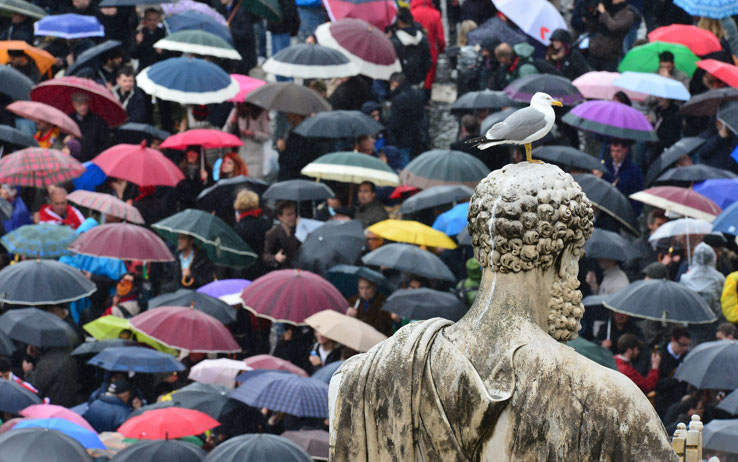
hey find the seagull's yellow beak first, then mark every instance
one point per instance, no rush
(556, 103)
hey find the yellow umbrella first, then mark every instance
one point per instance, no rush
(412, 232)
(110, 327)
(345, 330)
(43, 59)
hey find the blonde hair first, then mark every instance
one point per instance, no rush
(246, 200)
(713, 25)
(466, 27)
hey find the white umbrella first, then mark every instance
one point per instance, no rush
(221, 371)
(537, 18)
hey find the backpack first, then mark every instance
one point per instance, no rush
(415, 59)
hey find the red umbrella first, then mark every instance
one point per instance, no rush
(699, 41)
(107, 204)
(123, 241)
(720, 70)
(58, 93)
(185, 329)
(139, 164)
(39, 167)
(170, 422)
(379, 13)
(41, 112)
(404, 191)
(291, 295)
(274, 364)
(207, 138)
(679, 200)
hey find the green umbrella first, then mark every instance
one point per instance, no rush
(591, 350)
(267, 9)
(645, 58)
(198, 42)
(23, 7)
(45, 240)
(351, 167)
(222, 244)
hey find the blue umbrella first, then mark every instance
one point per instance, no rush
(346, 279)
(69, 26)
(652, 84)
(187, 81)
(716, 9)
(283, 392)
(723, 191)
(44, 240)
(136, 359)
(194, 20)
(325, 373)
(452, 221)
(727, 222)
(92, 177)
(85, 437)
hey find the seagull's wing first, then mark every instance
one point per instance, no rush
(518, 126)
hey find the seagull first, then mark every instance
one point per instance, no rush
(523, 126)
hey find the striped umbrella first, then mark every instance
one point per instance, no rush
(107, 204)
(283, 392)
(39, 167)
(351, 167)
(44, 240)
(198, 42)
(308, 61)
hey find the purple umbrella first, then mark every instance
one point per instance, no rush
(181, 6)
(223, 287)
(613, 119)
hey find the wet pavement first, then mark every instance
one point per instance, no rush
(443, 126)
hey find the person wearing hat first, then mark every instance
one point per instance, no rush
(629, 347)
(567, 59)
(109, 411)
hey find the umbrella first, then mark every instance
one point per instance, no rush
(645, 58)
(205, 303)
(258, 447)
(679, 200)
(198, 42)
(91, 55)
(111, 327)
(608, 199)
(220, 241)
(288, 97)
(54, 283)
(441, 167)
(334, 243)
(325, 373)
(717, 9)
(87, 438)
(123, 241)
(496, 28)
(485, 99)
(222, 371)
(346, 277)
(681, 227)
(39, 445)
(139, 132)
(291, 295)
(106, 204)
(136, 359)
(611, 118)
(723, 192)
(727, 221)
(69, 26)
(591, 350)
(610, 246)
(694, 173)
(568, 157)
(183, 6)
(661, 300)
(728, 115)
(37, 327)
(730, 403)
(197, 21)
(17, 85)
(720, 70)
(699, 41)
(379, 13)
(268, 362)
(172, 422)
(161, 451)
(283, 392)
(206, 137)
(652, 84)
(39, 167)
(536, 18)
(707, 103)
(435, 196)
(599, 85)
(42, 58)
(185, 329)
(412, 232)
(206, 398)
(306, 61)
(49, 411)
(339, 124)
(411, 259)
(711, 365)
(351, 167)
(670, 156)
(44, 240)
(22, 7)
(345, 330)
(298, 190)
(187, 80)
(314, 442)
(721, 435)
(58, 93)
(7, 348)
(40, 112)
(423, 303)
(91, 178)
(225, 288)
(14, 397)
(219, 198)
(364, 44)
(139, 164)
(95, 347)
(560, 88)
(13, 136)
(452, 221)
(246, 85)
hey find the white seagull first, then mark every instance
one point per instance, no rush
(523, 126)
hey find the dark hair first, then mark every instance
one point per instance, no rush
(470, 123)
(678, 332)
(5, 364)
(666, 57)
(728, 329)
(397, 77)
(282, 205)
(654, 214)
(152, 10)
(405, 16)
(622, 97)
(125, 70)
(371, 185)
(627, 341)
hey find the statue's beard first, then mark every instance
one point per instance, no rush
(565, 309)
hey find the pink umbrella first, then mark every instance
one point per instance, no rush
(58, 93)
(222, 371)
(273, 363)
(139, 164)
(247, 85)
(599, 85)
(124, 241)
(107, 204)
(50, 411)
(41, 112)
(205, 137)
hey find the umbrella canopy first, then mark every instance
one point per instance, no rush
(679, 200)
(95, 347)
(14, 137)
(681, 227)
(723, 192)
(123, 241)
(423, 303)
(161, 451)
(222, 371)
(106, 204)
(720, 70)
(610, 246)
(41, 445)
(567, 157)
(258, 447)
(717, 9)
(727, 222)
(485, 99)
(345, 330)
(39, 167)
(670, 156)
(37, 327)
(693, 173)
(721, 435)
(652, 84)
(560, 88)
(599, 85)
(198, 42)
(611, 118)
(209, 399)
(283, 392)
(136, 359)
(91, 55)
(58, 93)
(208, 138)
(54, 283)
(7, 347)
(379, 13)
(310, 61)
(246, 85)
(728, 115)
(496, 28)
(730, 403)
(346, 278)
(441, 167)
(87, 438)
(49, 411)
(536, 18)
(172, 422)
(268, 362)
(314, 442)
(436, 196)
(298, 190)
(711, 365)
(21, 7)
(591, 350)
(41, 112)
(645, 58)
(288, 97)
(44, 240)
(220, 241)
(351, 167)
(699, 41)
(707, 103)
(14, 397)
(452, 221)
(205, 303)
(18, 86)
(135, 133)
(224, 192)
(140, 165)
(609, 200)
(339, 124)
(364, 44)
(69, 26)
(197, 21)
(225, 288)
(184, 6)
(325, 373)
(187, 80)
(411, 259)
(42, 58)
(185, 329)
(661, 300)
(334, 243)
(412, 232)
(111, 327)
(291, 295)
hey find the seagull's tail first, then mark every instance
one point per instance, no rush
(482, 142)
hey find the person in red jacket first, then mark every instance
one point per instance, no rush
(58, 211)
(429, 17)
(629, 347)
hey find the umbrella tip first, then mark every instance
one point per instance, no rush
(143, 144)
(192, 305)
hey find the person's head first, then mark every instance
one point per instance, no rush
(619, 150)
(466, 27)
(365, 144)
(469, 124)
(81, 104)
(373, 241)
(396, 79)
(404, 17)
(192, 155)
(5, 368)
(606, 263)
(8, 192)
(713, 25)
(655, 219)
(373, 109)
(726, 331)
(367, 192)
(488, 45)
(80, 4)
(17, 58)
(185, 243)
(232, 166)
(151, 19)
(295, 119)
(246, 200)
(691, 405)
(16, 18)
(367, 289)
(622, 97)
(655, 270)
(58, 201)
(287, 213)
(417, 282)
(629, 346)
(712, 82)
(120, 388)
(666, 62)
(113, 58)
(505, 54)
(534, 218)
(323, 341)
(679, 342)
(125, 78)
(126, 285)
(200, 112)
(620, 319)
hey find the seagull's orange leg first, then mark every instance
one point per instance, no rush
(528, 156)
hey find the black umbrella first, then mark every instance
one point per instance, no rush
(298, 190)
(219, 197)
(485, 99)
(730, 403)
(494, 118)
(91, 54)
(258, 447)
(435, 196)
(216, 308)
(160, 451)
(681, 148)
(498, 29)
(288, 97)
(213, 400)
(706, 104)
(418, 304)
(346, 279)
(310, 61)
(339, 124)
(54, 283)
(721, 435)
(16, 85)
(134, 133)
(22, 7)
(6, 345)
(14, 137)
(409, 258)
(41, 445)
(711, 365)
(609, 245)
(609, 200)
(693, 174)
(334, 243)
(93, 348)
(37, 327)
(568, 157)
(14, 397)
(661, 300)
(560, 88)
(114, 3)
(728, 114)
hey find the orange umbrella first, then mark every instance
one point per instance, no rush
(43, 59)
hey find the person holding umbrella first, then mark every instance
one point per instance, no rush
(95, 132)
(252, 226)
(193, 267)
(366, 306)
(369, 209)
(109, 411)
(622, 172)
(251, 124)
(280, 243)
(324, 351)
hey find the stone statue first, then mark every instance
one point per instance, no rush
(500, 384)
